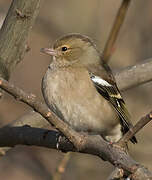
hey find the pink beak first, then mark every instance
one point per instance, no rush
(49, 51)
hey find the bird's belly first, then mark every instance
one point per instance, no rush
(79, 106)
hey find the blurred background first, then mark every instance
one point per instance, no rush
(95, 19)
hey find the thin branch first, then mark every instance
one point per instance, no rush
(62, 166)
(115, 30)
(139, 125)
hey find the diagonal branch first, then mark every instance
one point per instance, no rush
(140, 124)
(58, 174)
(115, 30)
(31, 100)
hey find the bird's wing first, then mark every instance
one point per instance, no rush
(112, 94)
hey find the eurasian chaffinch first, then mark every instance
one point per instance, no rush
(80, 88)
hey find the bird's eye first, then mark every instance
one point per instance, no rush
(64, 48)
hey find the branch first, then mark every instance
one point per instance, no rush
(139, 125)
(61, 167)
(14, 33)
(136, 75)
(95, 145)
(115, 30)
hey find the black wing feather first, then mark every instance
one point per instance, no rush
(112, 94)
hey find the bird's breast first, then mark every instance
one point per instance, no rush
(71, 94)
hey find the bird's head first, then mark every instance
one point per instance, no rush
(73, 48)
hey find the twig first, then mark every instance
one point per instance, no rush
(140, 124)
(115, 30)
(62, 166)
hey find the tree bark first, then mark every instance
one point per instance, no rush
(14, 33)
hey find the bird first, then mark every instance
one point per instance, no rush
(79, 87)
